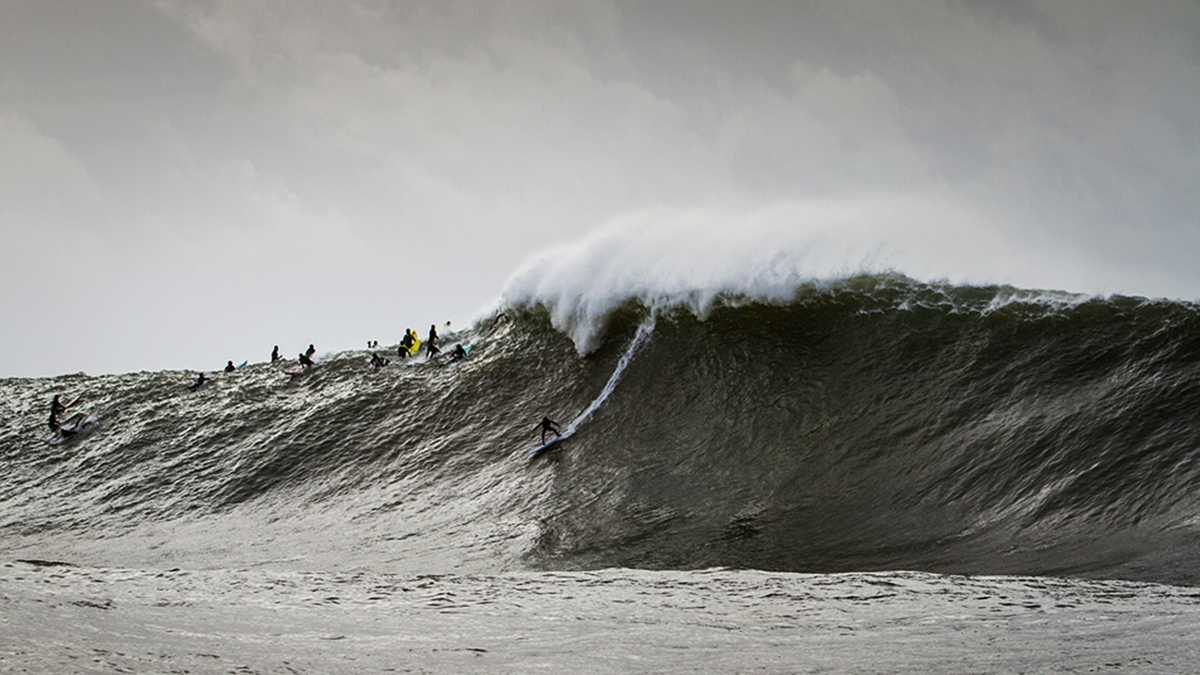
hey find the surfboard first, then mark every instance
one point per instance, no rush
(243, 364)
(549, 445)
(79, 425)
(416, 347)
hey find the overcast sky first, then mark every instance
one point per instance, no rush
(183, 183)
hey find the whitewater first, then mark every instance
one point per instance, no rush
(769, 466)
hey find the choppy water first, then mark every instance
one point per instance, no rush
(62, 619)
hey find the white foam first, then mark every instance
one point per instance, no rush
(690, 258)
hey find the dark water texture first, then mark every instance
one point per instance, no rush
(877, 424)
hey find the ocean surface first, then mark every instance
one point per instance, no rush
(876, 474)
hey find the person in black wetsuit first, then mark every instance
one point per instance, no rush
(458, 354)
(275, 354)
(310, 351)
(431, 343)
(56, 409)
(377, 361)
(200, 382)
(305, 361)
(229, 367)
(406, 343)
(550, 425)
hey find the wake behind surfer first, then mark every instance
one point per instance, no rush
(550, 425)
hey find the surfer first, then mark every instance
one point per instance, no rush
(305, 361)
(275, 354)
(56, 409)
(72, 425)
(229, 367)
(458, 354)
(550, 425)
(200, 382)
(406, 343)
(377, 361)
(310, 351)
(431, 342)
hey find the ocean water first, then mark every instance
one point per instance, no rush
(872, 474)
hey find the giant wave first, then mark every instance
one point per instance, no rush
(871, 423)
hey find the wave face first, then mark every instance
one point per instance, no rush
(872, 424)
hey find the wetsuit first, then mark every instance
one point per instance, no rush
(459, 353)
(56, 409)
(275, 354)
(305, 361)
(200, 382)
(229, 367)
(310, 351)
(548, 425)
(431, 343)
(406, 344)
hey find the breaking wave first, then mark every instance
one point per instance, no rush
(868, 423)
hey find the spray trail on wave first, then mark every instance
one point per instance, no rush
(643, 334)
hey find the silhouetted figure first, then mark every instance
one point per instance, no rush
(275, 354)
(229, 367)
(305, 361)
(56, 409)
(459, 353)
(431, 342)
(310, 351)
(200, 382)
(406, 343)
(550, 425)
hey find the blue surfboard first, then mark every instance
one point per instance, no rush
(550, 445)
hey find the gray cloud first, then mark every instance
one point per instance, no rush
(186, 182)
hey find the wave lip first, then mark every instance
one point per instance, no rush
(697, 258)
